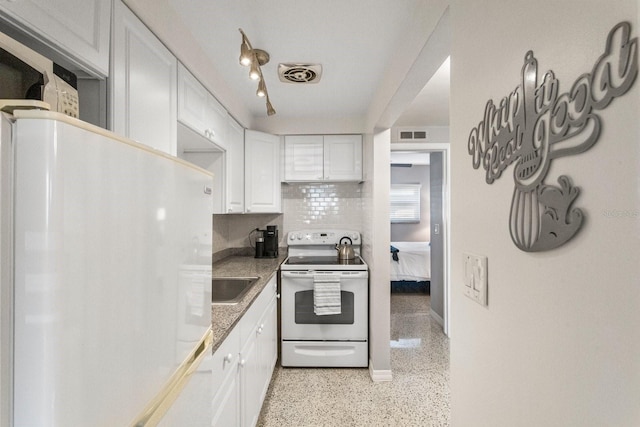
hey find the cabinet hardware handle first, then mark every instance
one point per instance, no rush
(228, 358)
(242, 362)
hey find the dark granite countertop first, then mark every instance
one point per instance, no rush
(225, 317)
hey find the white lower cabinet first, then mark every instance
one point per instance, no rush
(244, 363)
(268, 346)
(226, 400)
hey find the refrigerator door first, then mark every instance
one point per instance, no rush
(6, 269)
(186, 401)
(105, 229)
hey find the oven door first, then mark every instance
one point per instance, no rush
(299, 322)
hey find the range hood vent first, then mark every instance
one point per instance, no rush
(299, 73)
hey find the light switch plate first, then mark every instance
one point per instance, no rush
(475, 277)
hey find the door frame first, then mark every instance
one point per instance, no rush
(443, 148)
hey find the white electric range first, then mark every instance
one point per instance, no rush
(324, 340)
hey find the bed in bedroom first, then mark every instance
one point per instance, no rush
(410, 266)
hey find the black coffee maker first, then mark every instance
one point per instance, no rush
(267, 245)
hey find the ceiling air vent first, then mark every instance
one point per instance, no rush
(299, 73)
(406, 135)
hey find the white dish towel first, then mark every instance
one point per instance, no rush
(326, 294)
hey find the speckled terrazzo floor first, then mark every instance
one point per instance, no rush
(417, 396)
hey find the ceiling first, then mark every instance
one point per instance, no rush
(431, 106)
(366, 49)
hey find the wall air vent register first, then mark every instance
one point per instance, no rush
(411, 134)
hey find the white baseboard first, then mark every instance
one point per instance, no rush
(437, 318)
(379, 375)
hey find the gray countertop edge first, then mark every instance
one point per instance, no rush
(225, 317)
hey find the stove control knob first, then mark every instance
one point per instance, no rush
(292, 236)
(299, 236)
(355, 236)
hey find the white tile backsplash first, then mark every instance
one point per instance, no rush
(322, 205)
(304, 205)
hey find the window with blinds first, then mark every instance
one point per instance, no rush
(405, 203)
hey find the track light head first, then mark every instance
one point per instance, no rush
(270, 110)
(254, 71)
(262, 89)
(245, 52)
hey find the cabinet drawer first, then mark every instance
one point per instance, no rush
(225, 359)
(250, 320)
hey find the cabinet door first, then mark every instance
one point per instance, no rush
(199, 110)
(303, 158)
(262, 172)
(192, 101)
(226, 382)
(235, 167)
(267, 346)
(226, 404)
(78, 29)
(143, 84)
(250, 389)
(216, 122)
(343, 157)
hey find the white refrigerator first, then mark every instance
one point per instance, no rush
(105, 303)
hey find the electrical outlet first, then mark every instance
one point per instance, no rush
(475, 277)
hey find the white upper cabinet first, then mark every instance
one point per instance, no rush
(143, 84)
(323, 158)
(235, 167)
(262, 173)
(192, 100)
(343, 157)
(199, 110)
(77, 29)
(303, 158)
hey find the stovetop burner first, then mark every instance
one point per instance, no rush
(322, 260)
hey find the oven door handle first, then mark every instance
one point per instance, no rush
(311, 273)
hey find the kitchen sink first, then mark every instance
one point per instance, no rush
(230, 290)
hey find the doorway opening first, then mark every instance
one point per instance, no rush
(420, 250)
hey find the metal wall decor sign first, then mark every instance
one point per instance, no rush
(536, 124)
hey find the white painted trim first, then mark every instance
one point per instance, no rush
(420, 146)
(445, 149)
(437, 318)
(380, 375)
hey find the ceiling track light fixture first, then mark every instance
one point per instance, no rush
(255, 58)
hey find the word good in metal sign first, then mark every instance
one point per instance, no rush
(536, 124)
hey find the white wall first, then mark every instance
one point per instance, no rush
(559, 343)
(375, 250)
